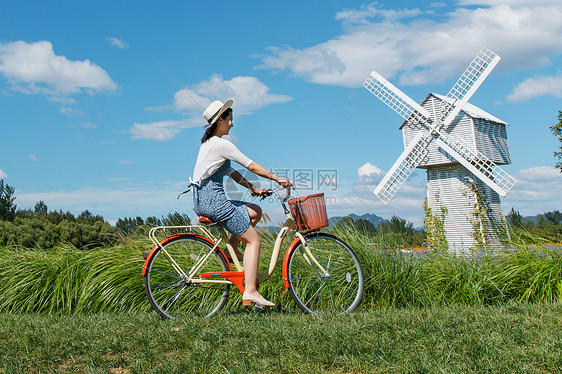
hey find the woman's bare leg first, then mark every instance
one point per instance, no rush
(251, 258)
(255, 213)
(251, 264)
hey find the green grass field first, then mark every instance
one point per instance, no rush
(515, 338)
(72, 311)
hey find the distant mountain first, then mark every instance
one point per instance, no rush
(373, 218)
(332, 221)
(533, 219)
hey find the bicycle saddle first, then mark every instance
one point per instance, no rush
(205, 220)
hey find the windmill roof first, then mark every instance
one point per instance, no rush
(473, 111)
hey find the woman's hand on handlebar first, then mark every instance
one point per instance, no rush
(256, 191)
(285, 182)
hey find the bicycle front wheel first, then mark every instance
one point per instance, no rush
(170, 293)
(326, 278)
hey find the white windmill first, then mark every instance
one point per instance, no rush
(459, 145)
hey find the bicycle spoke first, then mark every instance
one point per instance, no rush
(328, 265)
(304, 278)
(315, 294)
(172, 300)
(167, 274)
(316, 290)
(166, 286)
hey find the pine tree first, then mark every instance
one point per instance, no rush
(7, 198)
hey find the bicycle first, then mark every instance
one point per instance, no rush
(188, 273)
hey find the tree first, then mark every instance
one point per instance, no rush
(397, 225)
(7, 198)
(40, 208)
(557, 131)
(129, 225)
(345, 224)
(87, 217)
(554, 217)
(176, 219)
(152, 221)
(514, 219)
(365, 227)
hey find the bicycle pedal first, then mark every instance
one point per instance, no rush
(249, 303)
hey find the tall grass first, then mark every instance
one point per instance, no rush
(66, 280)
(396, 278)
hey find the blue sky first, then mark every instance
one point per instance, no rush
(93, 114)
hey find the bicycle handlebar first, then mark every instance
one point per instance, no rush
(283, 199)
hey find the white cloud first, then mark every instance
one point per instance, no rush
(118, 43)
(539, 174)
(34, 68)
(537, 191)
(360, 199)
(248, 93)
(161, 130)
(536, 86)
(431, 48)
(89, 125)
(360, 16)
(407, 204)
(2, 174)
(72, 112)
(114, 201)
(369, 174)
(62, 100)
(33, 158)
(511, 2)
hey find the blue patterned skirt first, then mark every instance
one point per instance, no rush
(209, 200)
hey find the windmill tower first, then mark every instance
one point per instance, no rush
(461, 146)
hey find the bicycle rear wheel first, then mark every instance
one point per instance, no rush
(335, 286)
(169, 292)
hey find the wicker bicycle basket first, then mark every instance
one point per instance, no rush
(309, 212)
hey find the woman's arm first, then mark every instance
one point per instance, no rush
(238, 178)
(263, 172)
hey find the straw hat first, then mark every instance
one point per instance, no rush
(215, 110)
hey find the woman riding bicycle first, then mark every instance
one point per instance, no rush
(209, 198)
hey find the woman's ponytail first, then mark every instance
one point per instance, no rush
(209, 132)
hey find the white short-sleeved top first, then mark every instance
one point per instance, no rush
(213, 154)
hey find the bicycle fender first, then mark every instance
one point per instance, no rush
(174, 237)
(290, 250)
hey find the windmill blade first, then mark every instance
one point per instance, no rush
(474, 75)
(410, 159)
(396, 99)
(478, 70)
(478, 164)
